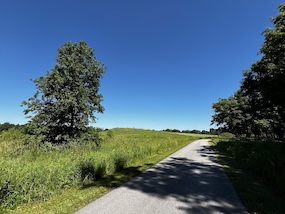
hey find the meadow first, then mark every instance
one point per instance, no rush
(52, 179)
(257, 171)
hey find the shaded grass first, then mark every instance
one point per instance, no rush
(59, 180)
(257, 172)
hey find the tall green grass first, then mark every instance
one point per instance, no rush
(257, 170)
(30, 172)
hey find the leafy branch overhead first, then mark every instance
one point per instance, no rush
(68, 96)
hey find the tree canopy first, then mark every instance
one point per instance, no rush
(258, 108)
(68, 96)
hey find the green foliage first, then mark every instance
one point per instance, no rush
(90, 137)
(110, 134)
(12, 142)
(257, 170)
(120, 161)
(171, 130)
(195, 131)
(68, 96)
(91, 170)
(258, 108)
(226, 136)
(100, 170)
(6, 126)
(215, 131)
(266, 160)
(264, 82)
(187, 131)
(232, 114)
(87, 171)
(39, 171)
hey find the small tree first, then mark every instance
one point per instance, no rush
(68, 96)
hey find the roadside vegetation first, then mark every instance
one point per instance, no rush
(57, 163)
(257, 109)
(256, 170)
(253, 147)
(47, 178)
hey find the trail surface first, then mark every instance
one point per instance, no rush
(189, 181)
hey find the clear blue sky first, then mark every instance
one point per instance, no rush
(167, 61)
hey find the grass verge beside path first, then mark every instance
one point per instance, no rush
(257, 172)
(69, 201)
(64, 181)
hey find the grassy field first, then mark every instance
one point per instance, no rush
(62, 180)
(257, 170)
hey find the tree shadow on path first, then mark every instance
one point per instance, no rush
(197, 187)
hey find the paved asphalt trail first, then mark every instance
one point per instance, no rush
(189, 181)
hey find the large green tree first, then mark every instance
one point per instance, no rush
(264, 82)
(68, 96)
(258, 108)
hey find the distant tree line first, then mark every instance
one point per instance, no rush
(6, 126)
(257, 109)
(194, 131)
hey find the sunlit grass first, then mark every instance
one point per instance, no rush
(34, 180)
